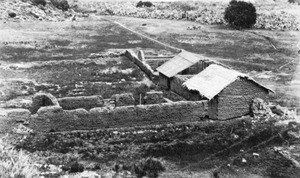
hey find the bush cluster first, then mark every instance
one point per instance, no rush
(61, 4)
(144, 4)
(271, 17)
(149, 167)
(240, 14)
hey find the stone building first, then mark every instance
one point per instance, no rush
(229, 92)
(185, 63)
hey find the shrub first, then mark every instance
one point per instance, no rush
(184, 6)
(61, 4)
(240, 14)
(149, 167)
(139, 93)
(144, 4)
(12, 14)
(39, 2)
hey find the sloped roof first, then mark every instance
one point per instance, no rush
(179, 63)
(213, 79)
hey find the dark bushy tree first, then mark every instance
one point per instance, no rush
(240, 14)
(144, 4)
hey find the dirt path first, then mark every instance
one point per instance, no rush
(173, 48)
(143, 36)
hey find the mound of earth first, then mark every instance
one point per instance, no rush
(26, 10)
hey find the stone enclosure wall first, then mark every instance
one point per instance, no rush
(47, 115)
(54, 118)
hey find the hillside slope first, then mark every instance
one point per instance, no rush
(25, 10)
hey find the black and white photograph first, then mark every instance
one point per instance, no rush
(149, 88)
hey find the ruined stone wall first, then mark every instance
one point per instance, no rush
(53, 118)
(141, 64)
(235, 100)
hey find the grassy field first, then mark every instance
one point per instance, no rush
(69, 58)
(43, 41)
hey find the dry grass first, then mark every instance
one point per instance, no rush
(15, 163)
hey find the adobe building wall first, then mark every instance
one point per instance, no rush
(213, 108)
(127, 116)
(164, 81)
(176, 86)
(235, 99)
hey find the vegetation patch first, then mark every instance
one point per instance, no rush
(240, 14)
(61, 4)
(183, 145)
(15, 163)
(271, 16)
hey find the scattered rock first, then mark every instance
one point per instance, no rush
(194, 27)
(42, 99)
(279, 110)
(260, 108)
